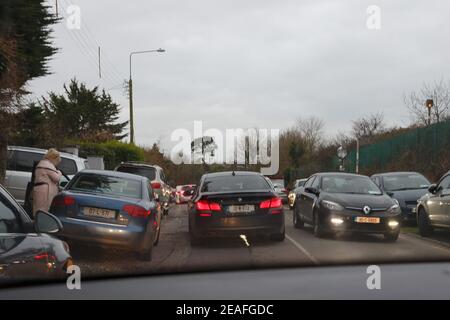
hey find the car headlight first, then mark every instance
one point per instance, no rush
(330, 205)
(395, 208)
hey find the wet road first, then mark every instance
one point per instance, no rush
(175, 254)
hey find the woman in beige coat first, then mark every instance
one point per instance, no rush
(46, 181)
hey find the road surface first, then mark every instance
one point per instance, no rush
(175, 254)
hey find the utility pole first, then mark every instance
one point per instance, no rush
(99, 63)
(357, 155)
(130, 91)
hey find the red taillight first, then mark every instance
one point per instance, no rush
(271, 203)
(41, 256)
(204, 205)
(69, 201)
(64, 201)
(156, 185)
(136, 211)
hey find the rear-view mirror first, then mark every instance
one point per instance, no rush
(47, 223)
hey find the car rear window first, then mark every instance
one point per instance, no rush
(147, 172)
(107, 185)
(235, 183)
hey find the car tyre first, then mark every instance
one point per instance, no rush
(317, 228)
(425, 228)
(278, 237)
(297, 220)
(391, 237)
(146, 255)
(157, 237)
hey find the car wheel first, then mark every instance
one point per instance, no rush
(391, 237)
(425, 228)
(195, 241)
(157, 237)
(297, 220)
(317, 228)
(278, 237)
(146, 255)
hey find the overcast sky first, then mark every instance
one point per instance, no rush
(253, 63)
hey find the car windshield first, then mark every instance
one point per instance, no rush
(106, 186)
(405, 182)
(349, 184)
(168, 137)
(235, 183)
(147, 172)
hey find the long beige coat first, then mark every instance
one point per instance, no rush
(47, 177)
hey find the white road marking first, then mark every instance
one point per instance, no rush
(303, 250)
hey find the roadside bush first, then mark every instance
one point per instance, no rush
(113, 152)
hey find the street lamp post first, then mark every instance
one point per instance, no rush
(429, 104)
(342, 154)
(130, 90)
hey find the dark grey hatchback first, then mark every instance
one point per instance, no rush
(342, 202)
(235, 203)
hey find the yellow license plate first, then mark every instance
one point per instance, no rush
(367, 220)
(99, 213)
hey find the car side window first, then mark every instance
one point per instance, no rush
(309, 182)
(444, 184)
(25, 160)
(316, 183)
(10, 163)
(9, 221)
(162, 176)
(150, 191)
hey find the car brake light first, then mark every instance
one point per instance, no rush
(64, 201)
(271, 203)
(156, 185)
(204, 205)
(136, 211)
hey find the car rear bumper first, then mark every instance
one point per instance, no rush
(224, 227)
(131, 237)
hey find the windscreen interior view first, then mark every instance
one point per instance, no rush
(149, 139)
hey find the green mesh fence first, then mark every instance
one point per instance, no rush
(414, 149)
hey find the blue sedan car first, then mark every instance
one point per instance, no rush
(110, 208)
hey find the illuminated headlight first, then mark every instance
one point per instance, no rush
(395, 209)
(332, 205)
(337, 221)
(393, 224)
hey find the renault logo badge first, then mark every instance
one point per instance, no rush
(366, 209)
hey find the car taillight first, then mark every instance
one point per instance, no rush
(204, 205)
(64, 201)
(271, 203)
(136, 211)
(156, 185)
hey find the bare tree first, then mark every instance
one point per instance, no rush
(311, 130)
(367, 127)
(439, 91)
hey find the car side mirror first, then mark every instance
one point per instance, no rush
(390, 193)
(45, 222)
(189, 192)
(432, 188)
(312, 190)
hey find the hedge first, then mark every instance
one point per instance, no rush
(113, 152)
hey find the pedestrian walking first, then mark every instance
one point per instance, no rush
(46, 182)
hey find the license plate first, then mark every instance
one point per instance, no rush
(367, 220)
(246, 208)
(99, 213)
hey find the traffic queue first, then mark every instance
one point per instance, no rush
(49, 211)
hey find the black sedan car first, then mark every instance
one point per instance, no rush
(342, 202)
(27, 250)
(234, 204)
(406, 188)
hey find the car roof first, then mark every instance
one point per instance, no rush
(44, 151)
(110, 173)
(393, 173)
(139, 164)
(322, 174)
(230, 173)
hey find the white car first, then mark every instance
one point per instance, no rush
(20, 166)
